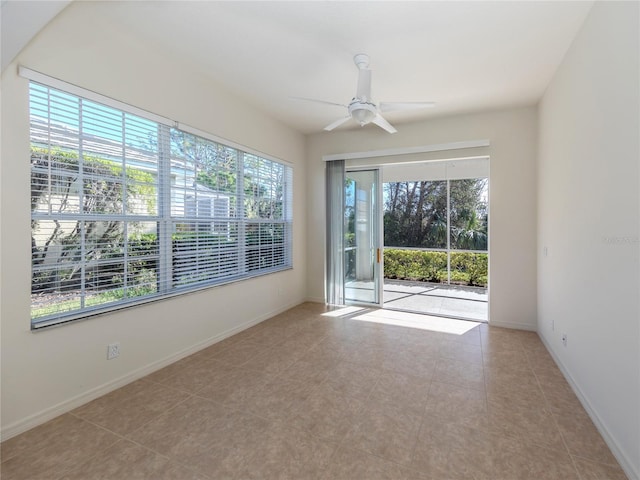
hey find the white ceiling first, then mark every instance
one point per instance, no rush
(465, 56)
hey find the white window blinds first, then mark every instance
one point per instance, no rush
(126, 209)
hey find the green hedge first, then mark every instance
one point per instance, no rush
(426, 266)
(414, 265)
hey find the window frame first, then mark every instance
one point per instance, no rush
(165, 212)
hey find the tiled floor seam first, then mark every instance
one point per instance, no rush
(155, 452)
(124, 436)
(423, 419)
(538, 444)
(553, 417)
(413, 448)
(555, 422)
(360, 411)
(89, 457)
(406, 466)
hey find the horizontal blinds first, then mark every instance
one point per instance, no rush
(126, 209)
(70, 88)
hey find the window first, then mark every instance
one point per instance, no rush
(126, 209)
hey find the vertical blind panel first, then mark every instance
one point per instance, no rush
(118, 217)
(335, 203)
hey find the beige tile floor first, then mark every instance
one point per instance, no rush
(309, 396)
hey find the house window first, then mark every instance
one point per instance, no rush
(126, 209)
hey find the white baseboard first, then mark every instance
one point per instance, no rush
(514, 325)
(624, 462)
(314, 300)
(50, 413)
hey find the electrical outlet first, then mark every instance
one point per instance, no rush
(113, 351)
(564, 339)
(553, 325)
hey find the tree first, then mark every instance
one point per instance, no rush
(415, 214)
(468, 214)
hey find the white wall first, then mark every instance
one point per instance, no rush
(588, 218)
(512, 217)
(48, 372)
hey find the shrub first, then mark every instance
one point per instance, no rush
(430, 265)
(474, 265)
(413, 264)
(427, 266)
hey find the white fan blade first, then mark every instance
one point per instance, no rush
(364, 85)
(318, 101)
(382, 123)
(337, 123)
(393, 106)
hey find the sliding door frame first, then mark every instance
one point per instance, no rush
(377, 159)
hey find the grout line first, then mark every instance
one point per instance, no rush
(553, 418)
(125, 437)
(165, 412)
(95, 454)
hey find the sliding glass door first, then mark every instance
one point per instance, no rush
(362, 238)
(435, 232)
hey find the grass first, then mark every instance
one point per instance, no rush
(58, 303)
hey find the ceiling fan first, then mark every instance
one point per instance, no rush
(362, 109)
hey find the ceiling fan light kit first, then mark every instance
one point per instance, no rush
(362, 112)
(362, 109)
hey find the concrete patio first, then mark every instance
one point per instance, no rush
(437, 299)
(469, 303)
